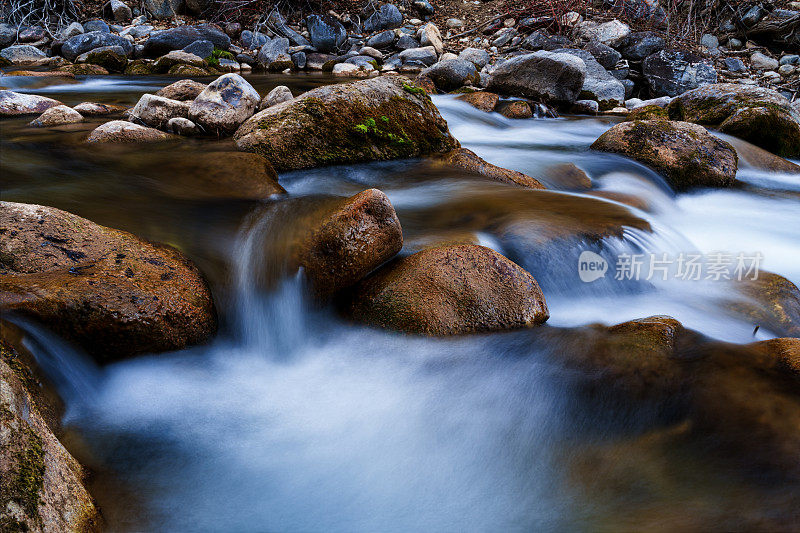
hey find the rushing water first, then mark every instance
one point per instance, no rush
(295, 420)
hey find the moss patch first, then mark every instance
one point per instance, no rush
(413, 89)
(30, 476)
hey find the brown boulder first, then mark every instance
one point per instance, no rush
(18, 104)
(464, 159)
(107, 290)
(515, 109)
(94, 109)
(449, 290)
(57, 116)
(686, 154)
(483, 100)
(122, 131)
(771, 301)
(182, 90)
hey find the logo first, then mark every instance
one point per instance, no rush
(591, 266)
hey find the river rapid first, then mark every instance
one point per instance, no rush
(294, 419)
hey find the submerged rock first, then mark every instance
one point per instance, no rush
(224, 104)
(107, 290)
(756, 114)
(16, 104)
(56, 116)
(351, 240)
(770, 301)
(122, 131)
(182, 90)
(449, 290)
(464, 159)
(377, 119)
(686, 154)
(549, 76)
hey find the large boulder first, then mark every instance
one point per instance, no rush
(477, 56)
(327, 33)
(182, 90)
(274, 55)
(599, 85)
(686, 154)
(553, 77)
(377, 119)
(642, 44)
(451, 74)
(671, 72)
(177, 58)
(80, 44)
(758, 115)
(42, 486)
(155, 111)
(111, 58)
(353, 238)
(179, 38)
(24, 55)
(57, 116)
(16, 104)
(278, 95)
(107, 290)
(122, 131)
(224, 104)
(469, 161)
(163, 9)
(449, 290)
(613, 33)
(386, 17)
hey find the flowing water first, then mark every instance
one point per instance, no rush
(293, 419)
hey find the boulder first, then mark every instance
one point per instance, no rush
(467, 160)
(758, 115)
(42, 484)
(278, 24)
(224, 104)
(24, 55)
(75, 28)
(351, 239)
(672, 72)
(85, 69)
(376, 119)
(515, 109)
(279, 94)
(383, 39)
(686, 154)
(176, 58)
(8, 34)
(770, 301)
(541, 40)
(124, 132)
(179, 38)
(182, 90)
(327, 33)
(642, 44)
(598, 85)
(80, 44)
(428, 35)
(406, 42)
(274, 55)
(451, 74)
(15, 104)
(252, 40)
(553, 77)
(111, 292)
(477, 56)
(612, 33)
(111, 58)
(201, 48)
(483, 100)
(31, 34)
(155, 111)
(96, 25)
(117, 10)
(604, 54)
(449, 290)
(56, 116)
(93, 109)
(385, 17)
(163, 9)
(425, 56)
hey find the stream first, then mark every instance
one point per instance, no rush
(294, 419)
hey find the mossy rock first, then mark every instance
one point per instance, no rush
(190, 70)
(84, 69)
(139, 67)
(648, 112)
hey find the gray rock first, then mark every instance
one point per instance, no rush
(155, 111)
(598, 84)
(122, 131)
(8, 34)
(384, 39)
(281, 28)
(16, 104)
(735, 44)
(327, 33)
(672, 72)
(183, 90)
(761, 61)
(72, 30)
(112, 58)
(279, 94)
(57, 116)
(371, 52)
(791, 59)
(31, 34)
(96, 25)
(604, 54)
(553, 77)
(201, 48)
(183, 126)
(753, 15)
(406, 42)
(224, 104)
(451, 74)
(425, 56)
(246, 59)
(613, 33)
(734, 64)
(585, 107)
(541, 40)
(361, 61)
(80, 44)
(24, 55)
(274, 55)
(629, 86)
(178, 38)
(252, 40)
(299, 60)
(477, 56)
(641, 45)
(118, 10)
(429, 35)
(163, 9)
(709, 41)
(386, 17)
(504, 37)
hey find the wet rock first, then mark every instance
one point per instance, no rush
(613, 33)
(604, 54)
(752, 155)
(386, 17)
(350, 240)
(111, 58)
(183, 126)
(274, 55)
(175, 58)
(80, 44)
(672, 72)
(467, 160)
(543, 75)
(477, 56)
(515, 109)
(756, 114)
(93, 109)
(24, 55)
(642, 45)
(179, 38)
(770, 301)
(598, 84)
(428, 35)
(123, 132)
(16, 104)
(451, 74)
(56, 116)
(279, 94)
(85, 69)
(384, 39)
(376, 119)
(686, 154)
(42, 486)
(449, 290)
(567, 176)
(163, 9)
(107, 290)
(225, 104)
(155, 111)
(182, 90)
(483, 100)
(327, 33)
